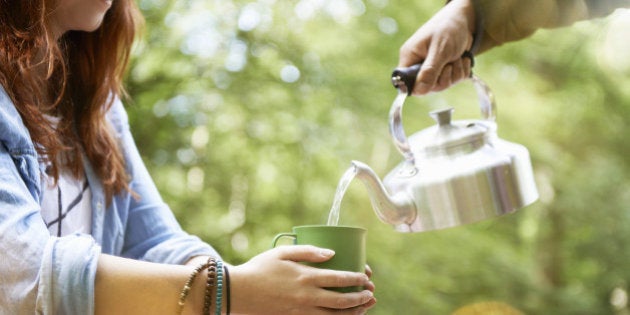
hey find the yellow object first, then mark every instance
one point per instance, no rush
(487, 308)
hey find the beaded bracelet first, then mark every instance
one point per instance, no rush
(184, 293)
(227, 290)
(210, 283)
(219, 296)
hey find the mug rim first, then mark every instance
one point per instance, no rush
(349, 227)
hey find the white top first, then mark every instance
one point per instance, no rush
(66, 207)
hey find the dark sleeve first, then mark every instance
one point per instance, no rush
(503, 21)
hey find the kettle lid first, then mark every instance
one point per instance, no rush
(450, 137)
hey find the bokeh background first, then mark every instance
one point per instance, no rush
(247, 113)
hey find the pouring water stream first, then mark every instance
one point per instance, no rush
(344, 182)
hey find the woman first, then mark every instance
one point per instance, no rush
(82, 227)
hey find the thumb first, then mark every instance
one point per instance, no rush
(306, 253)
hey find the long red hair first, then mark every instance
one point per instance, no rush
(83, 71)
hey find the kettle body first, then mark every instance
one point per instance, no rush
(493, 180)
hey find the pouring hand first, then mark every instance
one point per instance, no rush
(439, 45)
(274, 282)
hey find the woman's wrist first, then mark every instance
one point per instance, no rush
(207, 291)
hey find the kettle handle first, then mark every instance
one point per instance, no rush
(404, 80)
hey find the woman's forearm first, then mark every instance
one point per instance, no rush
(126, 286)
(273, 282)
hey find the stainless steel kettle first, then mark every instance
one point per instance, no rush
(454, 172)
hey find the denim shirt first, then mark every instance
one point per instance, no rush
(43, 274)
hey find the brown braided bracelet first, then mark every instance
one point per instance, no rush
(210, 283)
(186, 289)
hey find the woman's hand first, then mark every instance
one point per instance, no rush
(439, 45)
(274, 282)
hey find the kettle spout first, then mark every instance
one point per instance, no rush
(397, 209)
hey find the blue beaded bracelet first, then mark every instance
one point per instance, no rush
(219, 296)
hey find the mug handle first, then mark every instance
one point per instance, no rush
(281, 235)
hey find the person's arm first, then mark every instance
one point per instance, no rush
(441, 41)
(127, 286)
(439, 44)
(270, 283)
(511, 20)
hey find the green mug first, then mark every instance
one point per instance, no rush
(348, 242)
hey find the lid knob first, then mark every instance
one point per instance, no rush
(442, 116)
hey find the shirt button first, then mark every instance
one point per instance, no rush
(99, 206)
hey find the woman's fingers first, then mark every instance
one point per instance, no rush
(368, 271)
(343, 301)
(326, 278)
(306, 253)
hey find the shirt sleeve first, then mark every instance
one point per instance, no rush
(39, 273)
(152, 233)
(504, 21)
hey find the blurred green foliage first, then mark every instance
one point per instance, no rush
(247, 114)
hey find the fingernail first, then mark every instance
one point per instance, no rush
(327, 252)
(368, 297)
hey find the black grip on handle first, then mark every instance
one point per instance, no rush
(405, 78)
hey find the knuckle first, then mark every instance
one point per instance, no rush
(307, 299)
(305, 278)
(340, 302)
(430, 70)
(407, 49)
(342, 280)
(428, 75)
(404, 50)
